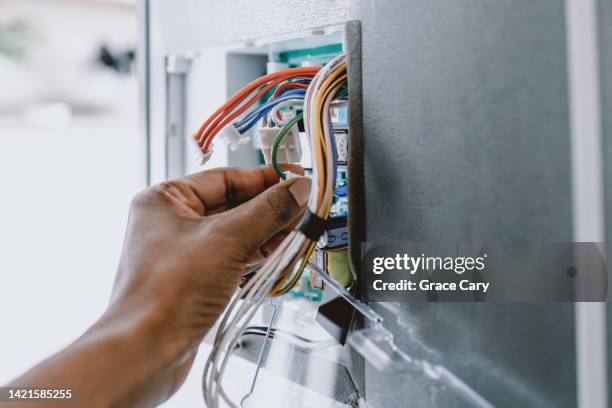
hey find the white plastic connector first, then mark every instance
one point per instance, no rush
(201, 157)
(230, 135)
(341, 139)
(289, 150)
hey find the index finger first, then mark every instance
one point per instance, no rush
(223, 188)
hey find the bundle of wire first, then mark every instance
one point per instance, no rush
(280, 271)
(288, 85)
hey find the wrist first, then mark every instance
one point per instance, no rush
(142, 329)
(127, 343)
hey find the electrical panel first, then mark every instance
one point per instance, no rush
(303, 332)
(304, 338)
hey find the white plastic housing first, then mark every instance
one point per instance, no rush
(341, 146)
(290, 149)
(230, 135)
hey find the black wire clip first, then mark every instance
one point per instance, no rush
(312, 226)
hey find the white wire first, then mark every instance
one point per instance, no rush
(248, 299)
(254, 294)
(289, 103)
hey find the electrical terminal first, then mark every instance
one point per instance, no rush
(232, 137)
(289, 150)
(284, 142)
(202, 158)
(341, 138)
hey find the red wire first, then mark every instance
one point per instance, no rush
(283, 87)
(288, 85)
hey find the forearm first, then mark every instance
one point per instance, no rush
(119, 358)
(187, 245)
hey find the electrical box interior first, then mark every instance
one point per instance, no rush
(304, 331)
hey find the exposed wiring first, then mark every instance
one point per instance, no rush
(292, 338)
(253, 117)
(244, 99)
(280, 271)
(283, 287)
(292, 84)
(276, 114)
(278, 140)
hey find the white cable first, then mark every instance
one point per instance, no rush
(286, 104)
(249, 298)
(256, 291)
(264, 289)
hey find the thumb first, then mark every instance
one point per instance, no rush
(273, 210)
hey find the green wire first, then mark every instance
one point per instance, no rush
(278, 140)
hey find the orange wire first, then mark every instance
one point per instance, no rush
(288, 85)
(247, 90)
(216, 126)
(280, 76)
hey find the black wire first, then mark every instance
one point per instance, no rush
(263, 331)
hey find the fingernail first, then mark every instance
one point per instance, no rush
(300, 190)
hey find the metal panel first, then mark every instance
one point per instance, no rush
(587, 187)
(177, 69)
(467, 138)
(605, 53)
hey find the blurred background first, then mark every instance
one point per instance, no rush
(71, 157)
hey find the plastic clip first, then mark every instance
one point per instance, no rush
(312, 226)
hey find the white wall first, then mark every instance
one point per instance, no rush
(66, 185)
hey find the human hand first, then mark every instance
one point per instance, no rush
(188, 243)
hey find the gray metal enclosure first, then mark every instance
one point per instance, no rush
(467, 136)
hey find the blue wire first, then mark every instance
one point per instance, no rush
(334, 151)
(289, 91)
(266, 106)
(288, 95)
(252, 123)
(299, 93)
(254, 116)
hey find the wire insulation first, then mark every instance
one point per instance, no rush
(283, 268)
